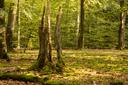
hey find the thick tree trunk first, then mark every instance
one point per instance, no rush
(44, 56)
(58, 36)
(122, 27)
(43, 41)
(10, 27)
(3, 54)
(81, 27)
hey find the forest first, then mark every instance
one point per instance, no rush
(63, 42)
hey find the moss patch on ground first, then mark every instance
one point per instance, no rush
(82, 67)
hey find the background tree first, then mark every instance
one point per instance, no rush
(10, 26)
(81, 27)
(101, 16)
(122, 25)
(3, 53)
(18, 25)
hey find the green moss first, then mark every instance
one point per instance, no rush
(54, 82)
(20, 77)
(34, 67)
(117, 82)
(49, 67)
(60, 66)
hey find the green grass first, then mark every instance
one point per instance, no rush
(85, 67)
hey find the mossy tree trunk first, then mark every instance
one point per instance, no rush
(45, 50)
(122, 26)
(81, 26)
(60, 62)
(10, 27)
(3, 53)
(43, 41)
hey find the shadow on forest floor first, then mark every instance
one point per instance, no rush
(85, 67)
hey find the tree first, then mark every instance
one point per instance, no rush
(3, 53)
(44, 56)
(48, 21)
(81, 27)
(10, 27)
(121, 40)
(60, 62)
(18, 24)
(43, 41)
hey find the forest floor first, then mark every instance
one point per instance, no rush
(85, 67)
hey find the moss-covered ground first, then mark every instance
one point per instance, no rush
(82, 67)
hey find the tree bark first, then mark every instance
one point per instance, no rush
(58, 36)
(10, 27)
(3, 53)
(43, 41)
(18, 24)
(81, 27)
(77, 25)
(49, 30)
(44, 56)
(122, 27)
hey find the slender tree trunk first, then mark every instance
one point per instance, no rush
(81, 27)
(77, 25)
(18, 23)
(58, 36)
(49, 31)
(3, 53)
(10, 27)
(122, 27)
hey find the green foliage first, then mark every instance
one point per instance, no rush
(101, 22)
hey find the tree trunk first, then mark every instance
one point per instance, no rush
(81, 27)
(49, 31)
(60, 62)
(3, 54)
(10, 27)
(18, 24)
(44, 56)
(43, 41)
(77, 25)
(122, 27)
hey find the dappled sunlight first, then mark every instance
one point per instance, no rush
(104, 62)
(81, 67)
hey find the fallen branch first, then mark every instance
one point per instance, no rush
(22, 77)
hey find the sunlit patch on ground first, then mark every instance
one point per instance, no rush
(86, 67)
